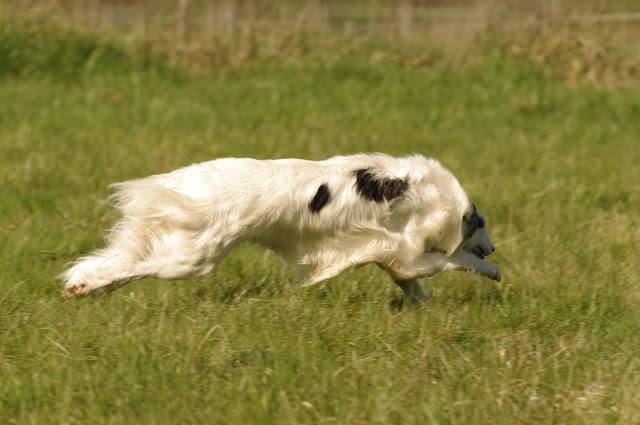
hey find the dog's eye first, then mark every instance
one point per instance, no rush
(480, 221)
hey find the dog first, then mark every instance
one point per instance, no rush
(409, 215)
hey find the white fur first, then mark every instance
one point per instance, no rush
(183, 223)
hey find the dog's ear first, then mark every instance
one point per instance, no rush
(377, 188)
(471, 222)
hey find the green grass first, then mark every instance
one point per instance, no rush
(554, 169)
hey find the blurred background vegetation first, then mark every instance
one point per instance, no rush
(583, 39)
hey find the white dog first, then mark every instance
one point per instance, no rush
(409, 215)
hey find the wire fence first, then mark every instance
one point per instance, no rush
(185, 20)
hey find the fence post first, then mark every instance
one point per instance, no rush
(405, 19)
(142, 19)
(181, 21)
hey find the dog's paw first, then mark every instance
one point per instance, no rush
(76, 290)
(497, 275)
(490, 271)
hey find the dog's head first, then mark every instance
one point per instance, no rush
(476, 237)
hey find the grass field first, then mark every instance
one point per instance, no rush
(554, 168)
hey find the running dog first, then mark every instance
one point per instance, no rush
(409, 215)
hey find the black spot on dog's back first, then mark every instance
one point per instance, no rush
(321, 198)
(377, 189)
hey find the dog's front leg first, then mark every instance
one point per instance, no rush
(462, 260)
(434, 262)
(425, 265)
(406, 275)
(421, 266)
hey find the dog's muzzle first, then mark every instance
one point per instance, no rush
(481, 251)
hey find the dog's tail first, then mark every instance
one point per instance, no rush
(147, 200)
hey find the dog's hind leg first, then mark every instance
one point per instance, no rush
(173, 256)
(181, 254)
(102, 268)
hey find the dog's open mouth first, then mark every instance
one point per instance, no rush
(477, 251)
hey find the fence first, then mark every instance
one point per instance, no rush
(181, 22)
